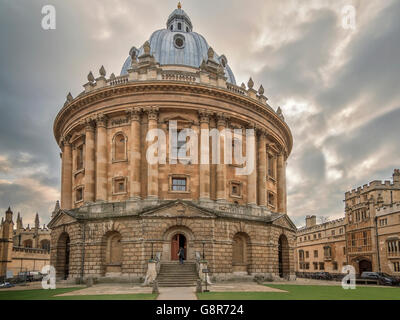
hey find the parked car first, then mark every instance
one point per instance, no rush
(383, 278)
(30, 276)
(6, 285)
(323, 275)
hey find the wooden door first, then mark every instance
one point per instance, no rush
(175, 247)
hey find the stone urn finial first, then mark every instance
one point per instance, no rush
(261, 90)
(70, 97)
(102, 71)
(90, 77)
(133, 53)
(146, 48)
(210, 53)
(250, 84)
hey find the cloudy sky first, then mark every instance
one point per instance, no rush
(338, 87)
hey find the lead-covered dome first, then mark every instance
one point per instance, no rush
(179, 45)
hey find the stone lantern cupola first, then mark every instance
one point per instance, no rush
(179, 21)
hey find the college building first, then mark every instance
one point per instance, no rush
(22, 249)
(368, 237)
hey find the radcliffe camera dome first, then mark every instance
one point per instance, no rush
(179, 45)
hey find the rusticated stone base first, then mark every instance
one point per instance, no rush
(246, 239)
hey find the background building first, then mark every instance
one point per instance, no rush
(22, 249)
(118, 210)
(368, 238)
(321, 247)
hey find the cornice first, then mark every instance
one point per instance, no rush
(85, 99)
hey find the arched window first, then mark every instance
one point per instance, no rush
(119, 147)
(28, 243)
(179, 26)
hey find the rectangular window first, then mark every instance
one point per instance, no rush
(365, 238)
(353, 239)
(396, 266)
(236, 189)
(335, 265)
(271, 199)
(79, 157)
(179, 145)
(315, 265)
(271, 166)
(315, 253)
(321, 266)
(333, 232)
(307, 254)
(178, 184)
(119, 185)
(79, 194)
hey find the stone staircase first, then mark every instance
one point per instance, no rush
(173, 274)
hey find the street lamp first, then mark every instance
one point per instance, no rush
(203, 250)
(152, 256)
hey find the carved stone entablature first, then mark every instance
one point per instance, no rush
(89, 124)
(279, 129)
(101, 120)
(65, 140)
(204, 116)
(152, 112)
(119, 121)
(261, 131)
(222, 119)
(134, 114)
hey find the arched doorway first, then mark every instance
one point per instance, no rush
(283, 257)
(178, 241)
(365, 266)
(63, 256)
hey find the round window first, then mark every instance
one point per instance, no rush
(179, 41)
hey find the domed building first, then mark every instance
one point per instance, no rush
(126, 216)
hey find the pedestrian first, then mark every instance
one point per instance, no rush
(181, 254)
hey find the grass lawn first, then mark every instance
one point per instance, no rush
(302, 292)
(41, 294)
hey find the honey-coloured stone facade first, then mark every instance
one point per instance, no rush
(119, 210)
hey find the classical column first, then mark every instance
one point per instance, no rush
(221, 168)
(262, 169)
(89, 161)
(66, 177)
(281, 180)
(152, 169)
(101, 163)
(252, 177)
(135, 158)
(204, 117)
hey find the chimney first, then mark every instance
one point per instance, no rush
(311, 221)
(396, 176)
